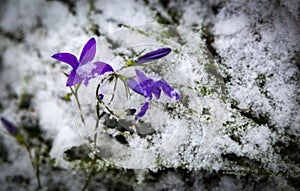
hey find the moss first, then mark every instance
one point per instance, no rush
(287, 149)
(25, 101)
(204, 91)
(260, 80)
(207, 36)
(67, 97)
(162, 19)
(77, 153)
(242, 161)
(248, 172)
(259, 119)
(175, 15)
(95, 29)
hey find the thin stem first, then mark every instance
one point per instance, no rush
(99, 116)
(102, 103)
(37, 170)
(123, 79)
(115, 87)
(35, 165)
(75, 93)
(90, 175)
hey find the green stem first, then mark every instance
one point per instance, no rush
(37, 170)
(90, 175)
(99, 116)
(35, 165)
(102, 103)
(75, 93)
(115, 87)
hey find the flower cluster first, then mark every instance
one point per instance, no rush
(146, 86)
(85, 69)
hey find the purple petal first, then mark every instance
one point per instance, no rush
(168, 89)
(101, 68)
(135, 86)
(67, 58)
(147, 87)
(154, 55)
(156, 90)
(88, 52)
(141, 76)
(143, 86)
(143, 110)
(11, 128)
(73, 79)
(101, 96)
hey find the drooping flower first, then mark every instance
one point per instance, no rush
(83, 69)
(154, 55)
(9, 126)
(147, 87)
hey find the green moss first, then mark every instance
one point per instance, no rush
(242, 161)
(260, 80)
(287, 149)
(245, 171)
(77, 153)
(209, 39)
(162, 19)
(95, 29)
(204, 91)
(67, 97)
(165, 34)
(25, 101)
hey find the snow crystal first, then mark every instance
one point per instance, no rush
(85, 71)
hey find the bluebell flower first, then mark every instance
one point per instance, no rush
(9, 126)
(147, 87)
(83, 69)
(154, 55)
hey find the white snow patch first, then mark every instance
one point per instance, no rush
(231, 25)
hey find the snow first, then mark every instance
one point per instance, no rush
(239, 113)
(85, 70)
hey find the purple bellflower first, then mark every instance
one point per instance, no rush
(83, 69)
(10, 127)
(154, 55)
(147, 87)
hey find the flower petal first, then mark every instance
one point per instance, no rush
(168, 90)
(101, 68)
(156, 90)
(11, 128)
(154, 55)
(101, 96)
(67, 58)
(147, 87)
(135, 86)
(143, 110)
(141, 76)
(145, 84)
(73, 79)
(88, 52)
